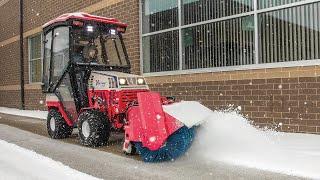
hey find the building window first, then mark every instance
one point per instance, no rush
(201, 10)
(179, 35)
(218, 44)
(290, 34)
(165, 56)
(35, 64)
(159, 14)
(270, 3)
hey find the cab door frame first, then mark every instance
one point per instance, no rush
(53, 87)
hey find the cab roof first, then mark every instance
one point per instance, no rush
(84, 17)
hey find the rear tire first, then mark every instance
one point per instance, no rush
(94, 128)
(57, 126)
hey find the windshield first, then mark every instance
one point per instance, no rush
(99, 47)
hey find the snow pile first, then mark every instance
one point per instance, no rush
(27, 113)
(20, 163)
(228, 137)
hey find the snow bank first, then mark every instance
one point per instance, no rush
(228, 137)
(20, 163)
(26, 113)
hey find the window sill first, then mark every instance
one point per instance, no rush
(303, 63)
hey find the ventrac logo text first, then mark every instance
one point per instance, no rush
(100, 84)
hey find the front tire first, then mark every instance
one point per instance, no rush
(56, 125)
(94, 128)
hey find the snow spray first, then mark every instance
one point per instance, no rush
(228, 137)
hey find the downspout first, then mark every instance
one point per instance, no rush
(21, 58)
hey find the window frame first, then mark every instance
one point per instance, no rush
(256, 12)
(30, 60)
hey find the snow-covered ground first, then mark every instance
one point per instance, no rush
(20, 163)
(228, 137)
(26, 113)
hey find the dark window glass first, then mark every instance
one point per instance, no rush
(271, 3)
(159, 14)
(202, 10)
(35, 70)
(115, 52)
(219, 44)
(35, 59)
(290, 34)
(161, 52)
(109, 47)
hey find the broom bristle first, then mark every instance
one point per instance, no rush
(176, 145)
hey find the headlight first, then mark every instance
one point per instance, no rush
(90, 28)
(123, 81)
(141, 81)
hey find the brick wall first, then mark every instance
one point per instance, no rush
(9, 63)
(267, 96)
(9, 20)
(35, 99)
(36, 14)
(293, 102)
(10, 99)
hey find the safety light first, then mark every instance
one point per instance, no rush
(141, 81)
(123, 81)
(113, 32)
(90, 28)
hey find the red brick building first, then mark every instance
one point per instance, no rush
(261, 55)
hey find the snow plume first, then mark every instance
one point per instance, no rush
(229, 137)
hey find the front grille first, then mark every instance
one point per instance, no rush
(129, 96)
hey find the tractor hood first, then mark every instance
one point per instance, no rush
(115, 74)
(105, 80)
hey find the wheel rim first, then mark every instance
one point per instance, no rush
(85, 129)
(52, 124)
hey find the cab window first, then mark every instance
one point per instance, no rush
(46, 59)
(60, 54)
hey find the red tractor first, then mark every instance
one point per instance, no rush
(86, 76)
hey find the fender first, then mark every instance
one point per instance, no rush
(60, 108)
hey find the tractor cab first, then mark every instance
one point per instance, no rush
(82, 41)
(83, 52)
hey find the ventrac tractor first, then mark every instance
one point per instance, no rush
(88, 86)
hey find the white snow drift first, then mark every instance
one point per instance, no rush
(26, 113)
(228, 137)
(20, 163)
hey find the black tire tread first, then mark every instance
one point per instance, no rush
(62, 129)
(99, 126)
